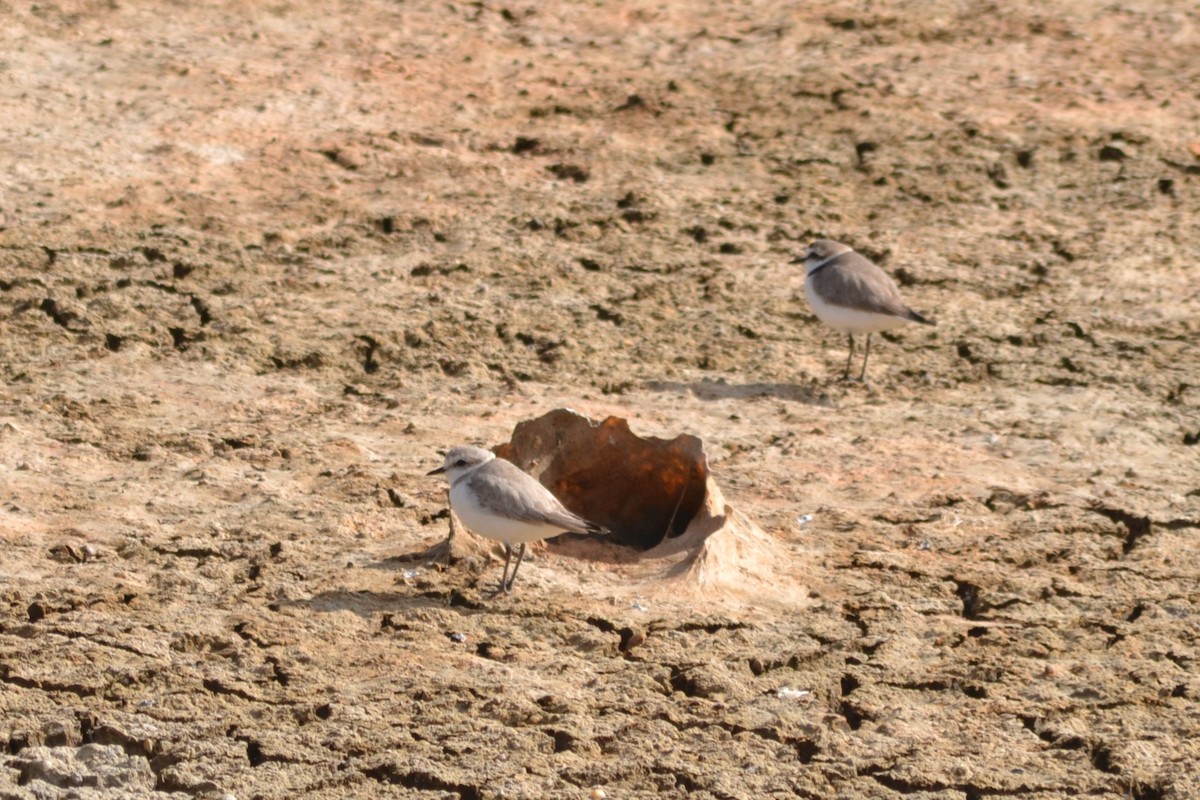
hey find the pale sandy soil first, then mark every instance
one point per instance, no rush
(259, 263)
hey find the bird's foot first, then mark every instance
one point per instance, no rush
(504, 587)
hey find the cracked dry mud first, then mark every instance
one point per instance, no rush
(260, 262)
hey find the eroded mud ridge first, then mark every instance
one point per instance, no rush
(259, 264)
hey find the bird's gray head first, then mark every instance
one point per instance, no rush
(461, 460)
(821, 252)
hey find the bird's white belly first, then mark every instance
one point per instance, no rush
(487, 523)
(849, 320)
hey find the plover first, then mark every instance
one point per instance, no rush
(850, 294)
(496, 500)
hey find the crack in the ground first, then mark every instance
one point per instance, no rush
(67, 633)
(853, 618)
(708, 626)
(682, 779)
(1140, 791)
(202, 310)
(217, 687)
(93, 731)
(257, 756)
(974, 691)
(76, 689)
(972, 599)
(421, 780)
(240, 630)
(1100, 753)
(631, 636)
(853, 715)
(970, 790)
(64, 317)
(199, 553)
(759, 667)
(1183, 662)
(370, 345)
(806, 749)
(1137, 526)
(61, 317)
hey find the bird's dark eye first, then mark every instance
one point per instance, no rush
(462, 462)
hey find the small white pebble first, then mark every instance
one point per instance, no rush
(804, 519)
(598, 794)
(638, 605)
(409, 574)
(788, 693)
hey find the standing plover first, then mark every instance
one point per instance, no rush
(849, 293)
(496, 500)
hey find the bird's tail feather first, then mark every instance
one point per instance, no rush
(577, 524)
(915, 317)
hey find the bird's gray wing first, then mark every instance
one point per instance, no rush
(852, 281)
(505, 488)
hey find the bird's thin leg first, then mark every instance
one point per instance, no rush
(504, 574)
(513, 577)
(862, 376)
(849, 358)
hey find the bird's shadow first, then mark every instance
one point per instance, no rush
(439, 552)
(813, 393)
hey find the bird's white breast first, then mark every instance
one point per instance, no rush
(488, 523)
(848, 320)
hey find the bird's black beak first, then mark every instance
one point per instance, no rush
(437, 471)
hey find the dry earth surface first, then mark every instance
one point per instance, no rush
(260, 262)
